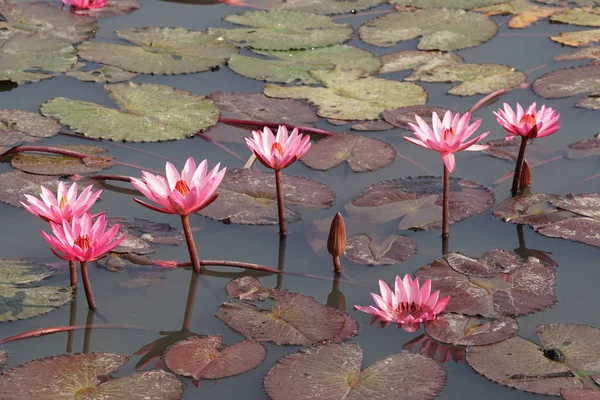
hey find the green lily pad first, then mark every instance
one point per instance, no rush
(150, 113)
(568, 82)
(413, 59)
(20, 302)
(283, 30)
(47, 20)
(592, 52)
(102, 74)
(335, 371)
(160, 51)
(578, 38)
(441, 29)
(578, 16)
(327, 7)
(31, 58)
(524, 12)
(45, 164)
(3, 358)
(582, 3)
(84, 377)
(350, 96)
(464, 4)
(29, 123)
(295, 66)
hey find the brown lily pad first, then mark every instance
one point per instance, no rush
(458, 329)
(363, 249)
(248, 288)
(29, 123)
(402, 116)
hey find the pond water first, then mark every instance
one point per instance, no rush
(161, 307)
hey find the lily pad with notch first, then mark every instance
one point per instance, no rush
(327, 7)
(335, 369)
(417, 201)
(205, 357)
(463, 330)
(569, 82)
(157, 50)
(348, 95)
(102, 74)
(498, 293)
(10, 139)
(86, 377)
(150, 113)
(440, 29)
(568, 352)
(249, 197)
(362, 153)
(283, 30)
(248, 288)
(417, 59)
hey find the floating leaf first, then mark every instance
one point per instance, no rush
(580, 394)
(418, 201)
(441, 29)
(292, 30)
(204, 358)
(294, 66)
(160, 51)
(294, 319)
(527, 289)
(377, 125)
(363, 249)
(3, 358)
(335, 371)
(429, 348)
(582, 3)
(149, 113)
(586, 204)
(22, 272)
(47, 20)
(257, 106)
(15, 184)
(103, 74)
(30, 123)
(31, 58)
(509, 149)
(591, 102)
(62, 165)
(327, 7)
(581, 54)
(524, 12)
(362, 153)
(248, 288)
(584, 230)
(492, 262)
(402, 116)
(463, 330)
(584, 148)
(10, 139)
(249, 197)
(568, 82)
(413, 59)
(349, 96)
(535, 210)
(428, 4)
(578, 16)
(84, 376)
(566, 350)
(578, 38)
(113, 8)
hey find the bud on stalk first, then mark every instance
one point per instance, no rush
(336, 242)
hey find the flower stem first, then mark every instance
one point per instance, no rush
(87, 286)
(446, 204)
(189, 238)
(72, 320)
(519, 167)
(445, 245)
(59, 329)
(280, 206)
(73, 274)
(87, 334)
(274, 125)
(337, 265)
(281, 262)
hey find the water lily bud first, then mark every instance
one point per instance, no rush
(336, 242)
(525, 175)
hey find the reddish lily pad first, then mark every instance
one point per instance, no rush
(580, 394)
(568, 82)
(10, 139)
(535, 210)
(402, 116)
(527, 289)
(249, 197)
(566, 351)
(376, 125)
(584, 148)
(204, 358)
(248, 288)
(584, 230)
(29, 123)
(257, 106)
(362, 153)
(363, 249)
(423, 345)
(418, 201)
(294, 319)
(509, 150)
(491, 263)
(463, 330)
(335, 371)
(84, 376)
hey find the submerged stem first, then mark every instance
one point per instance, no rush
(275, 125)
(189, 304)
(189, 238)
(72, 320)
(87, 286)
(519, 167)
(446, 204)
(58, 329)
(73, 274)
(280, 206)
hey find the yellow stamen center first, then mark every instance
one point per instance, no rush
(64, 202)
(448, 133)
(528, 119)
(182, 188)
(277, 146)
(83, 242)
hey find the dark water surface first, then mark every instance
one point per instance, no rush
(162, 306)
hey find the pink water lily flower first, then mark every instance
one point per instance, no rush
(62, 207)
(278, 152)
(447, 136)
(85, 4)
(409, 306)
(181, 194)
(81, 241)
(530, 124)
